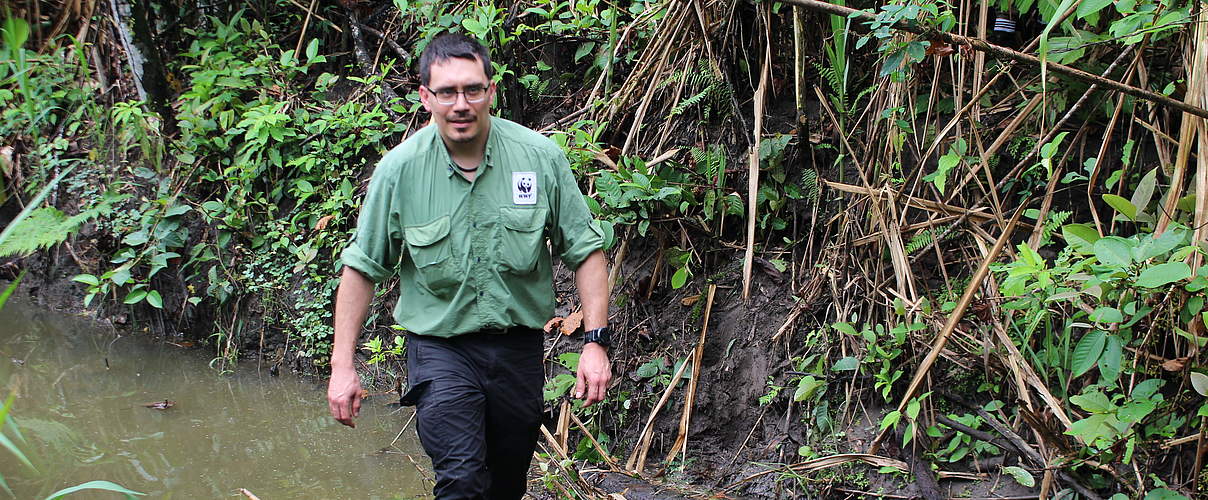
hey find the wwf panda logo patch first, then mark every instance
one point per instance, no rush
(524, 188)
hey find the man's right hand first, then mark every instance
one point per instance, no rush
(344, 395)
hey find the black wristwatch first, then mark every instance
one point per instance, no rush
(602, 336)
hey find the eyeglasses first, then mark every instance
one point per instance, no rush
(473, 93)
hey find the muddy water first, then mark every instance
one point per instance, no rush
(83, 420)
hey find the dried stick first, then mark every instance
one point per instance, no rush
(953, 320)
(753, 173)
(637, 459)
(310, 11)
(681, 440)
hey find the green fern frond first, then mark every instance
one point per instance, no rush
(810, 186)
(926, 236)
(689, 102)
(711, 163)
(1054, 222)
(45, 227)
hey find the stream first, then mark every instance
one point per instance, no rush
(80, 406)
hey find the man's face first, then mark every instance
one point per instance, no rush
(462, 121)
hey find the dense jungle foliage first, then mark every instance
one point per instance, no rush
(938, 259)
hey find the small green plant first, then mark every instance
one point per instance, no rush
(378, 351)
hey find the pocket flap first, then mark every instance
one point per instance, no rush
(523, 219)
(427, 234)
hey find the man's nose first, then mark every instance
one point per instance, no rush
(460, 103)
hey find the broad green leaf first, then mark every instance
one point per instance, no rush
(891, 419)
(846, 364)
(807, 387)
(1089, 7)
(87, 279)
(1112, 358)
(1164, 494)
(155, 300)
(1114, 251)
(557, 386)
(1164, 274)
(1081, 237)
(1094, 402)
(312, 49)
(1167, 241)
(1104, 314)
(679, 278)
(1144, 193)
(650, 368)
(135, 296)
(93, 485)
(845, 328)
(1146, 389)
(1200, 382)
(1087, 352)
(1121, 205)
(1021, 475)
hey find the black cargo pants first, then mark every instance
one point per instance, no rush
(477, 399)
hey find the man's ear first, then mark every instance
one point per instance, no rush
(424, 97)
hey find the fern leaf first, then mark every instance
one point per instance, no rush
(44, 228)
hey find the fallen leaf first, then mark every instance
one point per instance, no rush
(553, 322)
(1176, 364)
(364, 393)
(323, 222)
(690, 300)
(572, 322)
(939, 49)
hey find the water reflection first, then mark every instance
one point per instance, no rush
(80, 409)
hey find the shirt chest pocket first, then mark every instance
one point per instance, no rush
(522, 238)
(431, 251)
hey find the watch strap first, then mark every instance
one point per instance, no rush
(602, 336)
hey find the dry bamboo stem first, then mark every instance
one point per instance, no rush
(1003, 52)
(681, 440)
(753, 172)
(637, 459)
(1201, 173)
(1187, 133)
(953, 320)
(612, 462)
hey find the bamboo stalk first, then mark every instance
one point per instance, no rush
(637, 459)
(681, 440)
(753, 167)
(953, 319)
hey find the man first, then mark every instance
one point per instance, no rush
(464, 208)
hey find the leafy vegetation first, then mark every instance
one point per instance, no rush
(877, 190)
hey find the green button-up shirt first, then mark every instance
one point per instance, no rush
(472, 256)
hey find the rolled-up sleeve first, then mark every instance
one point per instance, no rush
(375, 245)
(575, 234)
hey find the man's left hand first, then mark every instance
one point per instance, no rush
(594, 374)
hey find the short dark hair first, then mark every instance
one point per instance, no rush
(448, 45)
